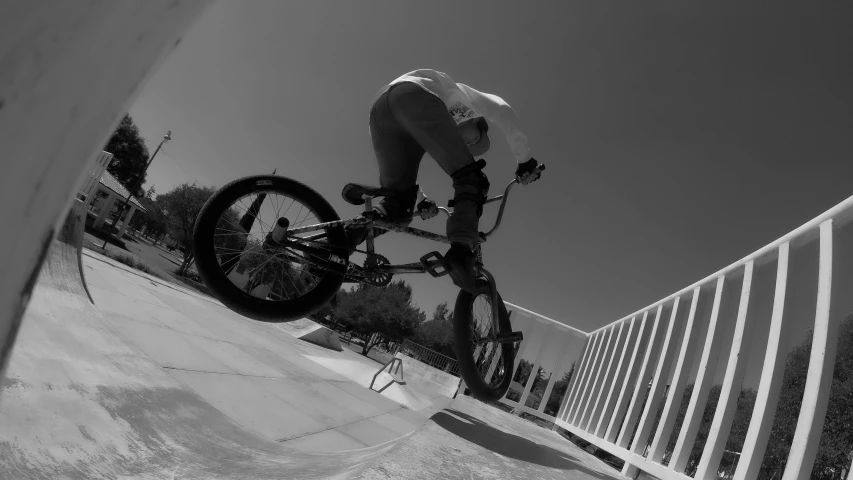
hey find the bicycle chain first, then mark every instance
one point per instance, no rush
(376, 279)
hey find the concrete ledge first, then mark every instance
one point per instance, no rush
(434, 379)
(312, 332)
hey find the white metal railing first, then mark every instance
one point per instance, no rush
(639, 365)
(430, 357)
(548, 351)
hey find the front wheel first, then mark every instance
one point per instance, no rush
(254, 276)
(485, 365)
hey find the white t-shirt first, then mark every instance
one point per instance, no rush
(464, 102)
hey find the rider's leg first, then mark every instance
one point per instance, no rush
(471, 188)
(425, 117)
(398, 156)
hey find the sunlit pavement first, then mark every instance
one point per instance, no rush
(158, 381)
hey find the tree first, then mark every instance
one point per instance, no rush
(181, 206)
(835, 451)
(552, 406)
(130, 155)
(437, 333)
(153, 219)
(384, 314)
(537, 389)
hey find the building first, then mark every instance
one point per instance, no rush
(104, 197)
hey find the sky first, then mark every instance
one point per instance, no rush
(679, 137)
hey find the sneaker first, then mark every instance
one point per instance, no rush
(459, 262)
(399, 208)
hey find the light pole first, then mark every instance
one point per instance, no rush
(138, 181)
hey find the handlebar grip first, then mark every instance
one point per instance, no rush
(541, 167)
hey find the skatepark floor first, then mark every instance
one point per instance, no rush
(155, 380)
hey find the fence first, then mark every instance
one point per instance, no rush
(544, 363)
(634, 373)
(430, 357)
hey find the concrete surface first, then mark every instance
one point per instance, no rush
(312, 332)
(154, 380)
(244, 367)
(420, 373)
(471, 440)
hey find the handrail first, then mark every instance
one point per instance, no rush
(841, 213)
(393, 378)
(430, 357)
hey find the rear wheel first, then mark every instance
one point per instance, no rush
(485, 365)
(257, 277)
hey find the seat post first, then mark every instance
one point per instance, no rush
(368, 209)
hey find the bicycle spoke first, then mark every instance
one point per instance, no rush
(488, 359)
(287, 272)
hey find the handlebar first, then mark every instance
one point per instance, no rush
(503, 198)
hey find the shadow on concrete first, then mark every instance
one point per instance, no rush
(512, 446)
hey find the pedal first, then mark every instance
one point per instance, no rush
(433, 263)
(511, 337)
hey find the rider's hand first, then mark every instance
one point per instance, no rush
(427, 208)
(528, 172)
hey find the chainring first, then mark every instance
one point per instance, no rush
(373, 273)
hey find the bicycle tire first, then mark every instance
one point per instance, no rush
(216, 279)
(465, 351)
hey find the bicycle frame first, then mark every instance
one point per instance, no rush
(367, 220)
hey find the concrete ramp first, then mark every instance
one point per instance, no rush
(312, 332)
(472, 440)
(157, 381)
(429, 378)
(63, 266)
(80, 402)
(97, 397)
(412, 395)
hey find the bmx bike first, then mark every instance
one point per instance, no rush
(275, 250)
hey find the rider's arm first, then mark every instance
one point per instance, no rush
(499, 113)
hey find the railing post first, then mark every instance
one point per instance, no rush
(621, 372)
(572, 390)
(609, 345)
(735, 369)
(607, 380)
(767, 398)
(642, 384)
(558, 367)
(679, 380)
(658, 380)
(704, 379)
(625, 392)
(821, 365)
(629, 470)
(585, 379)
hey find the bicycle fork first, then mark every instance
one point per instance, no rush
(501, 337)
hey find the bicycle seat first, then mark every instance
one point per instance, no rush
(354, 193)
